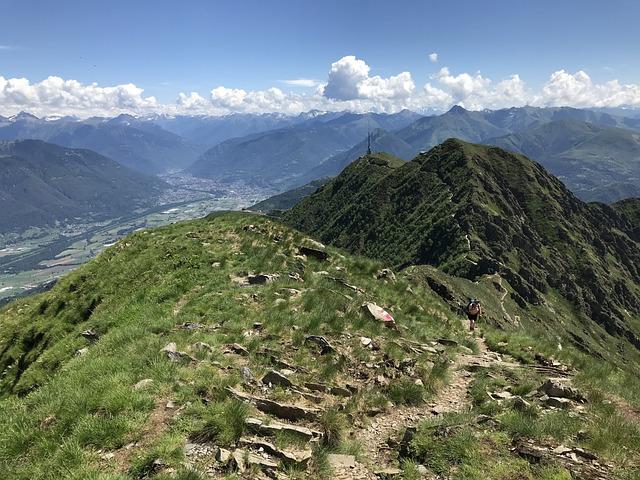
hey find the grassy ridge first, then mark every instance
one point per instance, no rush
(62, 409)
(472, 210)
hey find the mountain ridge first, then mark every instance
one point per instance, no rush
(41, 183)
(473, 210)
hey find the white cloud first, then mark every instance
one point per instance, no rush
(56, 96)
(344, 77)
(349, 80)
(349, 86)
(302, 82)
(464, 85)
(433, 57)
(578, 90)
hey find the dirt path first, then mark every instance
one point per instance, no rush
(453, 397)
(504, 295)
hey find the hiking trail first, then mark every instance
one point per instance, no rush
(452, 397)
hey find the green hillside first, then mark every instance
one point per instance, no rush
(286, 200)
(597, 163)
(473, 210)
(220, 348)
(41, 183)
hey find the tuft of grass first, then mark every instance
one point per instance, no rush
(189, 474)
(223, 423)
(319, 464)
(438, 375)
(410, 470)
(443, 448)
(332, 424)
(403, 391)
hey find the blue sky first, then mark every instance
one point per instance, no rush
(168, 47)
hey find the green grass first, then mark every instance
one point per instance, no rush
(333, 425)
(130, 294)
(404, 391)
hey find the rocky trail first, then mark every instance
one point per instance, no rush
(379, 433)
(382, 430)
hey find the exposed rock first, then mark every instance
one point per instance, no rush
(299, 459)
(337, 460)
(317, 387)
(561, 450)
(558, 402)
(322, 342)
(255, 279)
(257, 426)
(386, 274)
(283, 365)
(189, 326)
(201, 346)
(447, 342)
(379, 314)
(82, 351)
(280, 410)
(238, 459)
(556, 388)
(261, 278)
(223, 456)
(585, 454)
(531, 453)
(521, 404)
(91, 335)
(171, 352)
(365, 341)
(502, 395)
(274, 377)
(237, 349)
(142, 384)
(340, 391)
(406, 450)
(295, 276)
(317, 253)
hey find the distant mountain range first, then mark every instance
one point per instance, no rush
(596, 153)
(597, 166)
(282, 157)
(473, 210)
(208, 131)
(138, 144)
(595, 162)
(41, 183)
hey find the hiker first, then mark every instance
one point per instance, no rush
(474, 310)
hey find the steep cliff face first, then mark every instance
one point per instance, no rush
(472, 210)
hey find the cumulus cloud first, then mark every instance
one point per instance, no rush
(433, 57)
(349, 86)
(349, 80)
(56, 96)
(578, 90)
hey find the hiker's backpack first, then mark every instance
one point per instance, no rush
(474, 307)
